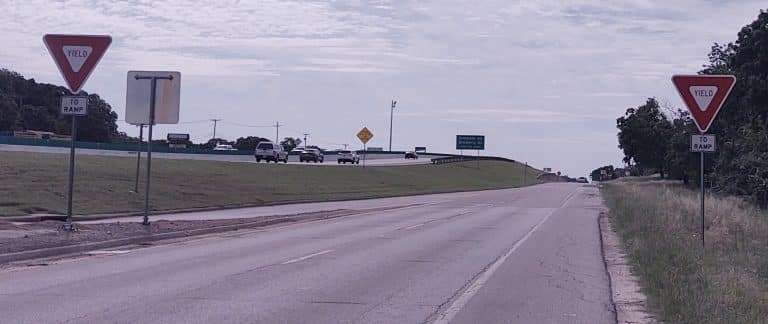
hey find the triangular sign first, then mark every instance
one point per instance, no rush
(704, 95)
(76, 56)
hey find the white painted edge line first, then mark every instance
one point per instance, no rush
(306, 257)
(99, 252)
(451, 311)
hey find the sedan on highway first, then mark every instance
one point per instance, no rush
(311, 154)
(411, 155)
(348, 157)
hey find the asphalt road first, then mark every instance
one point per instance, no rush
(528, 255)
(372, 159)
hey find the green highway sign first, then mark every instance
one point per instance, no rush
(470, 142)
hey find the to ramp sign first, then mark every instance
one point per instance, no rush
(703, 143)
(74, 105)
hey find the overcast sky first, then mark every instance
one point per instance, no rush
(543, 80)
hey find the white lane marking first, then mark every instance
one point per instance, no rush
(307, 257)
(107, 252)
(483, 278)
(415, 226)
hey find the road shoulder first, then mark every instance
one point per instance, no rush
(627, 296)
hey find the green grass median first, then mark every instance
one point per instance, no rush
(36, 183)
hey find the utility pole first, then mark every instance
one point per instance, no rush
(277, 132)
(214, 126)
(305, 140)
(391, 117)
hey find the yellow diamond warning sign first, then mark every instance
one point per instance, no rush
(364, 135)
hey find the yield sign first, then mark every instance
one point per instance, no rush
(76, 56)
(704, 95)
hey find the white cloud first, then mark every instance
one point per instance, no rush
(534, 67)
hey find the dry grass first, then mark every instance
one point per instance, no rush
(660, 224)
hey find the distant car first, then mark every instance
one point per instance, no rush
(269, 151)
(224, 147)
(348, 157)
(411, 155)
(311, 154)
(582, 180)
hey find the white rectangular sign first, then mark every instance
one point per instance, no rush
(703, 143)
(74, 105)
(167, 99)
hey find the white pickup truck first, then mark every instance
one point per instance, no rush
(269, 151)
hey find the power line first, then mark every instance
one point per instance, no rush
(245, 125)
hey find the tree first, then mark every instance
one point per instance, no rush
(643, 136)
(9, 113)
(28, 105)
(290, 143)
(602, 173)
(681, 163)
(249, 143)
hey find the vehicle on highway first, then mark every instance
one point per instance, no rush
(224, 147)
(311, 154)
(411, 155)
(582, 180)
(269, 151)
(345, 157)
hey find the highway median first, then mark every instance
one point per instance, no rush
(34, 184)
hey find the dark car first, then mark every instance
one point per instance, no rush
(311, 154)
(411, 155)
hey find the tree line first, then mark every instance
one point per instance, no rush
(655, 138)
(28, 105)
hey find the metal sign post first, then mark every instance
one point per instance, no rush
(150, 103)
(74, 106)
(138, 158)
(365, 135)
(701, 173)
(704, 95)
(76, 56)
(153, 91)
(702, 143)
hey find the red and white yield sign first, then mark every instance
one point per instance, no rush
(704, 95)
(76, 56)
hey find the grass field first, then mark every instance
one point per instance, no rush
(37, 182)
(659, 223)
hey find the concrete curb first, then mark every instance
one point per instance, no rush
(627, 297)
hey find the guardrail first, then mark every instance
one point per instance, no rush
(451, 158)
